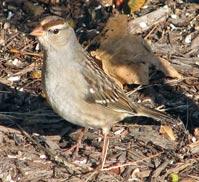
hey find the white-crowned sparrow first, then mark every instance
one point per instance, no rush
(77, 89)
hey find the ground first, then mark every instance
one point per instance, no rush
(35, 143)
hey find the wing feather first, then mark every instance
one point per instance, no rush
(103, 90)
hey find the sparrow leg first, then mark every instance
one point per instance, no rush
(76, 147)
(79, 140)
(105, 148)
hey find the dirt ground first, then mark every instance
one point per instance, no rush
(37, 145)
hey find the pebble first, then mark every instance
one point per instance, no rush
(174, 16)
(193, 139)
(43, 156)
(14, 78)
(143, 24)
(37, 48)
(17, 62)
(173, 27)
(6, 26)
(188, 39)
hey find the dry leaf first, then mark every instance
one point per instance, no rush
(135, 5)
(116, 171)
(106, 2)
(167, 132)
(148, 21)
(36, 74)
(165, 66)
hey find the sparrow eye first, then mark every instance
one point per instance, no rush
(56, 31)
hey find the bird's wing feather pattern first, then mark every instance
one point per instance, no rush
(103, 90)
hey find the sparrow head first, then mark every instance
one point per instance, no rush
(53, 31)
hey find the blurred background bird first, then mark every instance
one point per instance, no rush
(127, 57)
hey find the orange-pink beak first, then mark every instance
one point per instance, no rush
(37, 31)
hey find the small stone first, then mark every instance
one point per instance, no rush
(193, 139)
(37, 48)
(14, 78)
(6, 25)
(188, 39)
(143, 24)
(16, 62)
(43, 157)
(173, 27)
(174, 16)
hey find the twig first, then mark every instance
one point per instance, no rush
(151, 31)
(140, 87)
(132, 163)
(172, 82)
(161, 167)
(194, 147)
(145, 22)
(5, 81)
(27, 69)
(180, 167)
(10, 39)
(26, 53)
(194, 177)
(90, 177)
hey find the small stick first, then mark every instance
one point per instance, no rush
(26, 53)
(131, 163)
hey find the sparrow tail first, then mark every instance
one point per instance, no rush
(155, 114)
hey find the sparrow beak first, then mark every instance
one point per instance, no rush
(38, 31)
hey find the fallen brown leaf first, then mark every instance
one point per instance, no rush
(36, 74)
(167, 132)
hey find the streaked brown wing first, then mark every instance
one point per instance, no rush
(103, 90)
